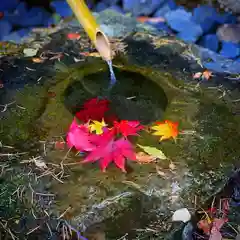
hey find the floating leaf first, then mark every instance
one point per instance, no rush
(152, 151)
(30, 52)
(181, 215)
(97, 126)
(166, 130)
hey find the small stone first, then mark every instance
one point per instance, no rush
(111, 2)
(230, 50)
(227, 18)
(229, 33)
(101, 6)
(142, 8)
(162, 11)
(210, 41)
(116, 8)
(206, 16)
(191, 34)
(62, 8)
(178, 19)
(204, 12)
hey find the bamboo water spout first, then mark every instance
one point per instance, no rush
(91, 27)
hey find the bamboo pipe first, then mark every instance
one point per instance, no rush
(86, 19)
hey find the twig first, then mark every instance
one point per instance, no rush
(33, 230)
(69, 208)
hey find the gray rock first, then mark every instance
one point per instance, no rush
(115, 24)
(229, 33)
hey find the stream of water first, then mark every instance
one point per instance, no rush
(113, 79)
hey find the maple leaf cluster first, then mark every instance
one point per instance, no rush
(100, 142)
(104, 138)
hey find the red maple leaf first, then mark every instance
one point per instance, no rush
(128, 128)
(95, 109)
(109, 150)
(79, 137)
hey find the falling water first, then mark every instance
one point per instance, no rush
(113, 79)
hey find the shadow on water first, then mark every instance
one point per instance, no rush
(133, 97)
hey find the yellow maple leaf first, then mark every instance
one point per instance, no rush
(166, 130)
(97, 126)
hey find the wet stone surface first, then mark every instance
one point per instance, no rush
(157, 73)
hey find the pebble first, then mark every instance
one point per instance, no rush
(143, 7)
(210, 41)
(230, 50)
(62, 8)
(229, 33)
(101, 6)
(161, 12)
(181, 21)
(206, 17)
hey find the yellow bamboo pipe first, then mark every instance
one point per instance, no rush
(91, 27)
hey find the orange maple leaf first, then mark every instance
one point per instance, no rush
(166, 130)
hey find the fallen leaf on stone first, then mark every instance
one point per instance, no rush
(160, 172)
(60, 145)
(203, 75)
(73, 36)
(144, 158)
(30, 52)
(197, 75)
(37, 60)
(207, 74)
(166, 129)
(144, 19)
(181, 215)
(88, 54)
(172, 166)
(152, 151)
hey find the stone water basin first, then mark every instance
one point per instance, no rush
(115, 203)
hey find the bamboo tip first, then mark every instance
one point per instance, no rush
(103, 46)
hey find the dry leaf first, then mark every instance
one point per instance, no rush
(73, 36)
(172, 166)
(207, 74)
(144, 158)
(144, 19)
(37, 60)
(197, 75)
(160, 172)
(88, 54)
